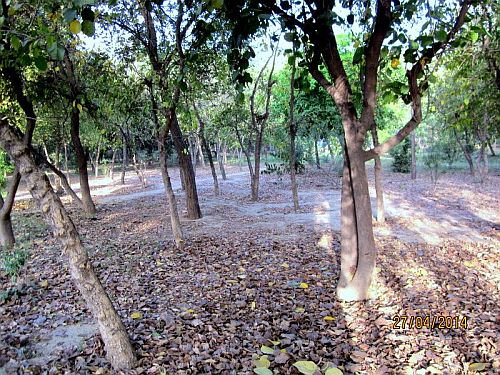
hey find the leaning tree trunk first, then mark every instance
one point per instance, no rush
(188, 177)
(81, 160)
(112, 166)
(358, 250)
(117, 344)
(379, 192)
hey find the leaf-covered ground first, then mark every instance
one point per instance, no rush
(257, 274)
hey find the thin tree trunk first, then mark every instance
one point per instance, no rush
(139, 171)
(224, 153)
(112, 166)
(117, 344)
(81, 159)
(57, 164)
(204, 143)
(292, 127)
(97, 156)
(379, 192)
(172, 203)
(467, 154)
(66, 164)
(200, 151)
(413, 156)
(221, 161)
(124, 159)
(491, 148)
(316, 153)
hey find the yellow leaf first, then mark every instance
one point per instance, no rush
(252, 305)
(303, 285)
(479, 366)
(190, 311)
(266, 349)
(333, 371)
(136, 315)
(300, 310)
(75, 26)
(306, 367)
(285, 265)
(469, 264)
(44, 284)
(329, 318)
(263, 361)
(80, 107)
(394, 63)
(158, 263)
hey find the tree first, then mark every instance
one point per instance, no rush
(315, 20)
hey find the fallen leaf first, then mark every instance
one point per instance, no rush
(333, 371)
(136, 315)
(266, 349)
(306, 367)
(303, 285)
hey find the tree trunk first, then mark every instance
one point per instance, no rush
(172, 203)
(413, 156)
(139, 171)
(256, 168)
(378, 179)
(7, 238)
(193, 206)
(490, 146)
(316, 153)
(112, 166)
(466, 152)
(203, 141)
(124, 159)
(81, 159)
(57, 164)
(221, 161)
(193, 151)
(97, 156)
(292, 127)
(66, 164)
(117, 344)
(200, 151)
(358, 250)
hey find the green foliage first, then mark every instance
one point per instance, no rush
(5, 167)
(402, 157)
(433, 159)
(12, 261)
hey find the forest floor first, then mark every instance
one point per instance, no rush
(258, 273)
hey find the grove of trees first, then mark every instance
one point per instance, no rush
(98, 87)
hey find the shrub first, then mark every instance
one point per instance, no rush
(402, 157)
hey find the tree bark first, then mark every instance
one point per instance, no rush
(490, 146)
(7, 238)
(81, 159)
(200, 151)
(193, 206)
(379, 192)
(117, 344)
(358, 250)
(413, 156)
(96, 161)
(15, 79)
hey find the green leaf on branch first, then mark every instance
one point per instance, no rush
(88, 27)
